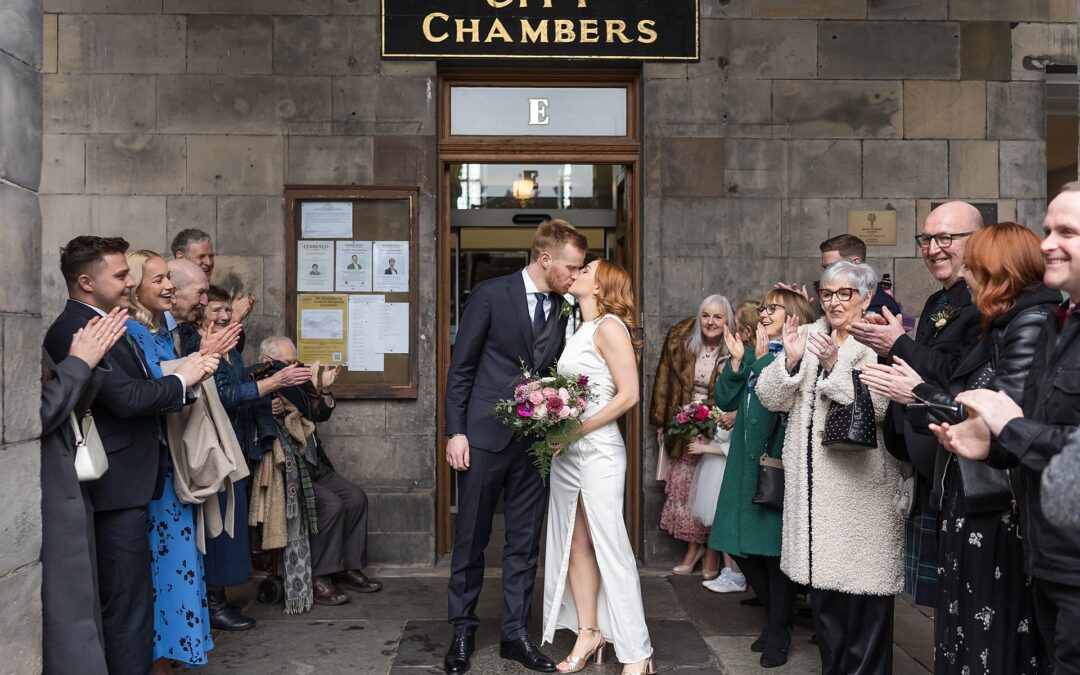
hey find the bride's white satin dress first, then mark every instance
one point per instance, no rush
(595, 468)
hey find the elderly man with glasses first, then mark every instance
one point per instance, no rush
(948, 324)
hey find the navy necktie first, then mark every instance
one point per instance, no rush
(538, 315)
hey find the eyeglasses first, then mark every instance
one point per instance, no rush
(944, 240)
(769, 309)
(841, 294)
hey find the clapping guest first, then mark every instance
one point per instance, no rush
(689, 364)
(181, 621)
(751, 532)
(70, 610)
(1004, 271)
(127, 412)
(841, 533)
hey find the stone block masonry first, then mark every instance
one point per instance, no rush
(21, 37)
(169, 114)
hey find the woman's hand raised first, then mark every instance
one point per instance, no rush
(735, 347)
(794, 337)
(761, 343)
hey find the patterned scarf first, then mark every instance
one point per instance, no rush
(300, 517)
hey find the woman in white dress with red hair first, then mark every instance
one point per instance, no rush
(592, 586)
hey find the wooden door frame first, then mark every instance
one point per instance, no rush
(624, 150)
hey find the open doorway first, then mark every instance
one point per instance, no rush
(495, 190)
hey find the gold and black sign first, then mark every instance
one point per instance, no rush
(644, 30)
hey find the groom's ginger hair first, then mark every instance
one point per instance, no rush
(553, 235)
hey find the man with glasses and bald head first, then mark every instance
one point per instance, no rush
(949, 322)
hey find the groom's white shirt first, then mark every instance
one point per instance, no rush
(531, 288)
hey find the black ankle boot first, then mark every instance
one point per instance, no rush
(224, 617)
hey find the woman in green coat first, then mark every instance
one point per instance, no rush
(751, 533)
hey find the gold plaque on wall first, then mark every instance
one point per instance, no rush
(875, 228)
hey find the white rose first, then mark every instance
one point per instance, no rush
(574, 412)
(564, 413)
(540, 412)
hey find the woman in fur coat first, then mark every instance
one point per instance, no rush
(842, 535)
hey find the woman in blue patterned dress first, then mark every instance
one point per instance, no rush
(181, 620)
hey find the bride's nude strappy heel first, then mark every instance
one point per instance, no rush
(577, 664)
(650, 669)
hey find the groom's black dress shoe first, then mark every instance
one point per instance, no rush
(524, 652)
(457, 657)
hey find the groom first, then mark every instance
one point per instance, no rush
(508, 321)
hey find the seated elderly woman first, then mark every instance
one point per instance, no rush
(842, 535)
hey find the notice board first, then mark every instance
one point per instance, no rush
(351, 285)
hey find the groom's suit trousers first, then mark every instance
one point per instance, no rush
(509, 473)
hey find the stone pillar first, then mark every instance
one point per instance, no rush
(20, 337)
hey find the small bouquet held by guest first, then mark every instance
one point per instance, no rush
(549, 410)
(696, 418)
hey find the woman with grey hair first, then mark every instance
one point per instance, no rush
(690, 362)
(842, 536)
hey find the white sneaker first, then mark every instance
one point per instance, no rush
(727, 582)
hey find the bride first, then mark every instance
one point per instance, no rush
(586, 538)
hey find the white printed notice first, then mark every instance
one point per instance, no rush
(394, 328)
(314, 266)
(354, 266)
(364, 312)
(391, 266)
(326, 220)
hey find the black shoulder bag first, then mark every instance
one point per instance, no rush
(851, 427)
(770, 477)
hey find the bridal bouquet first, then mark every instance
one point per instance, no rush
(693, 419)
(547, 409)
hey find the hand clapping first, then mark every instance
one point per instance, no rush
(896, 382)
(734, 346)
(794, 337)
(823, 346)
(93, 341)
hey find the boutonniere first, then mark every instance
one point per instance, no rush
(942, 318)
(568, 310)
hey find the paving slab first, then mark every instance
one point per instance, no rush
(303, 646)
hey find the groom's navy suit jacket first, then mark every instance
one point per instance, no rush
(495, 336)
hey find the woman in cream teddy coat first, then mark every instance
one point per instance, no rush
(842, 535)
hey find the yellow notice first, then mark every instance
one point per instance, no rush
(320, 329)
(875, 228)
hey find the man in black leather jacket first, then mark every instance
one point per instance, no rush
(948, 324)
(1028, 436)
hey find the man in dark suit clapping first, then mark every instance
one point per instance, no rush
(508, 321)
(127, 413)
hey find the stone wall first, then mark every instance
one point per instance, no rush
(801, 110)
(20, 335)
(190, 113)
(165, 114)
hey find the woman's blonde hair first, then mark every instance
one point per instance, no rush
(616, 297)
(136, 262)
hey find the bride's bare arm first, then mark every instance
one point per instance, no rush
(614, 346)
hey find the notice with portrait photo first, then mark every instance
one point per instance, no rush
(326, 220)
(314, 266)
(391, 266)
(353, 266)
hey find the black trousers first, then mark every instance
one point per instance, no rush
(1057, 613)
(127, 590)
(509, 473)
(342, 510)
(854, 632)
(776, 593)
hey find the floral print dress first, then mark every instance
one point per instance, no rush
(181, 617)
(985, 620)
(676, 517)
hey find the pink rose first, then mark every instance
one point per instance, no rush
(580, 402)
(701, 414)
(549, 392)
(536, 398)
(564, 395)
(574, 412)
(555, 404)
(564, 412)
(682, 418)
(524, 410)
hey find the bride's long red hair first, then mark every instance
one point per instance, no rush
(615, 296)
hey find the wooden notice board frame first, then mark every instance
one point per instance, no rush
(378, 214)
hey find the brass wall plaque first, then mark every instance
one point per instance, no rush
(875, 228)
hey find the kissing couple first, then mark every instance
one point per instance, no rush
(518, 319)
